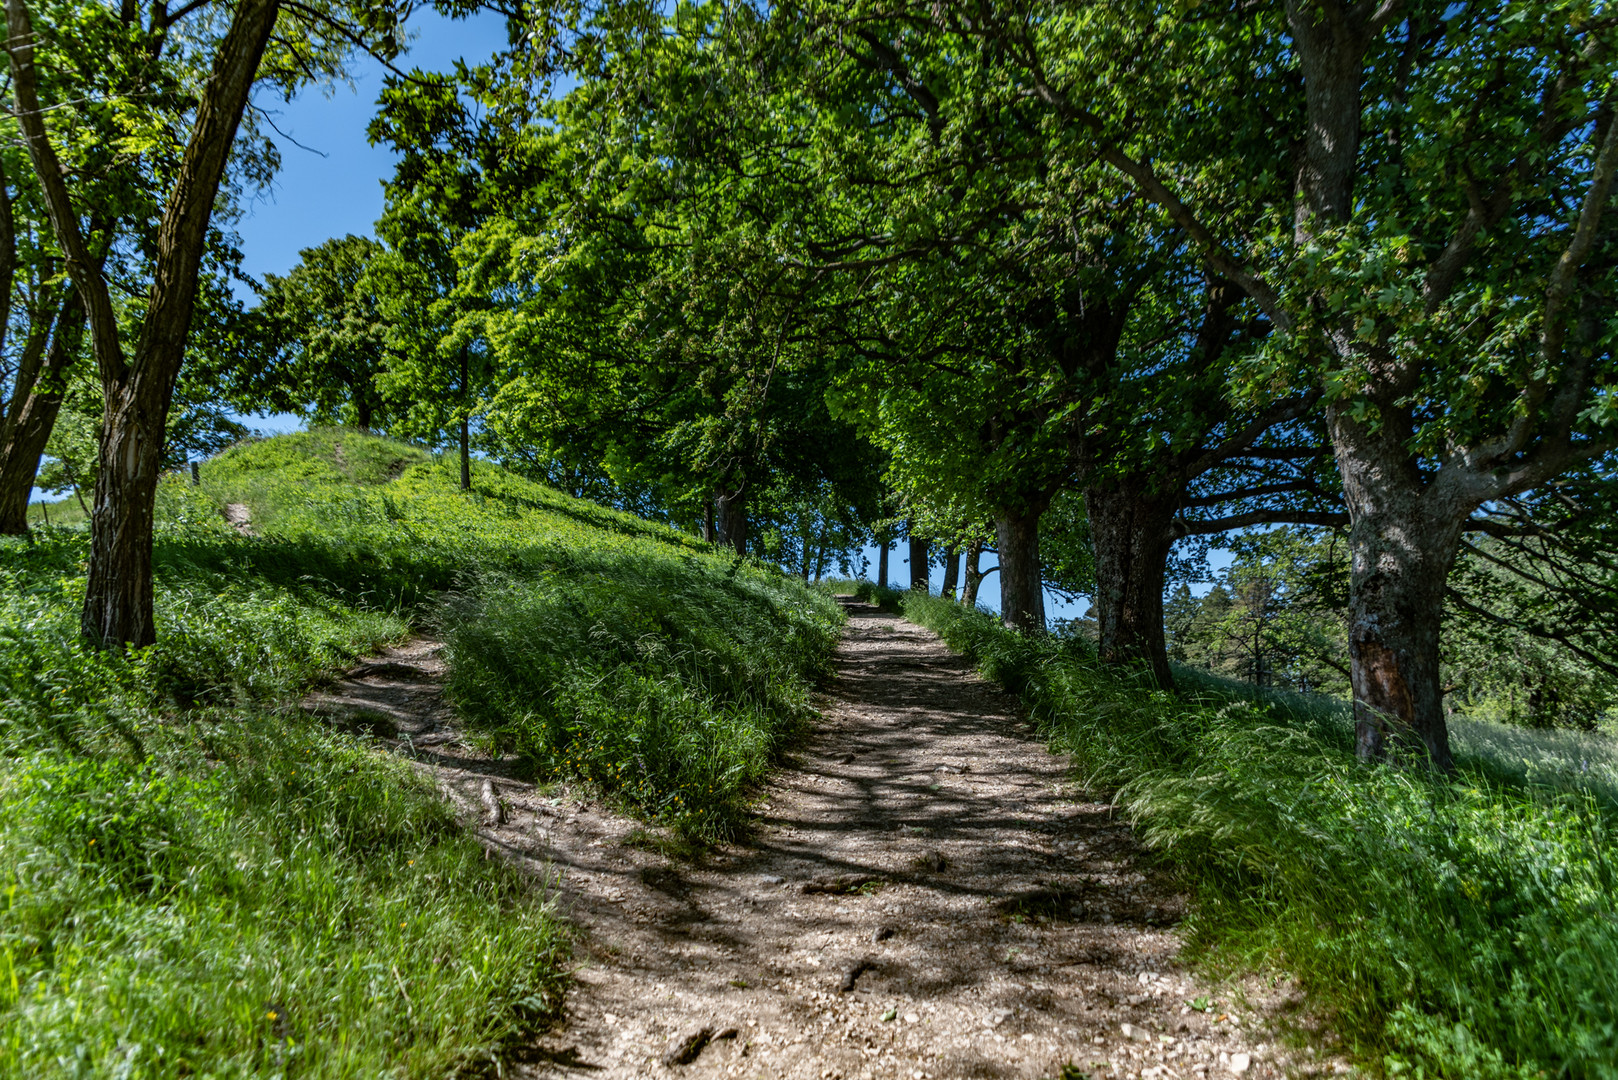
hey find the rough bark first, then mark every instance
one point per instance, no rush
(1131, 532)
(138, 390)
(973, 577)
(36, 401)
(952, 572)
(466, 457)
(920, 554)
(1403, 542)
(882, 563)
(466, 437)
(1022, 589)
(730, 520)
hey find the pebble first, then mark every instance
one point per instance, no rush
(1135, 1034)
(1240, 1063)
(911, 1018)
(771, 879)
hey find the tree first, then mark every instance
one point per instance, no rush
(1446, 309)
(645, 321)
(321, 337)
(1531, 606)
(138, 382)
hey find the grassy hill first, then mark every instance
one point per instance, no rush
(199, 879)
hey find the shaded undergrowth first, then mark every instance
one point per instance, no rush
(1454, 927)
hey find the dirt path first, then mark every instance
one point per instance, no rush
(924, 849)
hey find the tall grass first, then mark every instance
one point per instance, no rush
(671, 682)
(192, 882)
(595, 644)
(1455, 927)
(196, 879)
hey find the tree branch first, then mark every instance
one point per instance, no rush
(81, 267)
(1209, 526)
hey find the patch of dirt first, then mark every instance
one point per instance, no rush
(239, 517)
(926, 895)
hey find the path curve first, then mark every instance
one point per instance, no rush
(1008, 924)
(1012, 925)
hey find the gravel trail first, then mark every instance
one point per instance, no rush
(926, 895)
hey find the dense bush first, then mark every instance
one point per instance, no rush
(1456, 927)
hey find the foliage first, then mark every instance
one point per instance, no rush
(1274, 616)
(319, 339)
(1455, 927)
(603, 265)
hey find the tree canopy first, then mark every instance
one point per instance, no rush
(1097, 289)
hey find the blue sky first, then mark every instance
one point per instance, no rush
(331, 177)
(330, 183)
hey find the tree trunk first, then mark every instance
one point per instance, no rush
(32, 417)
(708, 532)
(1403, 540)
(882, 563)
(466, 457)
(118, 596)
(1131, 534)
(138, 390)
(1022, 589)
(362, 411)
(973, 577)
(920, 554)
(952, 572)
(730, 519)
(466, 439)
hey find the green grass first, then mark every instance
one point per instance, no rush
(1459, 927)
(666, 680)
(197, 879)
(594, 643)
(62, 513)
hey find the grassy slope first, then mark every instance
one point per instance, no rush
(1457, 928)
(195, 879)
